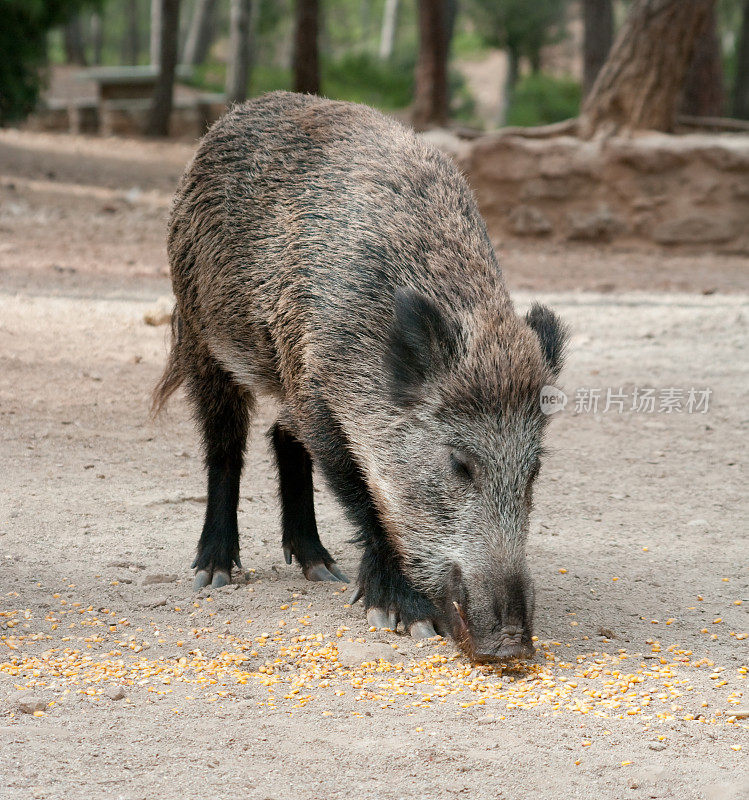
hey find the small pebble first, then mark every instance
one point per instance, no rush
(149, 580)
(29, 703)
(115, 692)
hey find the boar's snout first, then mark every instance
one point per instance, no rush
(492, 623)
(510, 643)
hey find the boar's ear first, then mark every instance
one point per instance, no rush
(421, 344)
(552, 334)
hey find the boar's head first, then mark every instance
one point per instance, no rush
(466, 383)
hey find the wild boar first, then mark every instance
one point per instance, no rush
(325, 255)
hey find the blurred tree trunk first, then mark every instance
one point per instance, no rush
(508, 90)
(155, 46)
(306, 57)
(97, 37)
(75, 52)
(598, 17)
(240, 51)
(703, 86)
(131, 39)
(741, 86)
(161, 105)
(389, 24)
(431, 102)
(365, 18)
(641, 83)
(201, 32)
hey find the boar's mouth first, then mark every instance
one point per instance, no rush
(510, 644)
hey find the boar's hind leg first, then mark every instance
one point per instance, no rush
(300, 537)
(223, 412)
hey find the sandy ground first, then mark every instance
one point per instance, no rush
(262, 689)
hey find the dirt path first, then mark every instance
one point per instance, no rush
(638, 547)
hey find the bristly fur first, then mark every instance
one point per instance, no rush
(324, 254)
(172, 377)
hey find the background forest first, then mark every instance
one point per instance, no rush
(516, 62)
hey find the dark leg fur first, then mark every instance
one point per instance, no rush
(300, 537)
(223, 412)
(382, 583)
(384, 586)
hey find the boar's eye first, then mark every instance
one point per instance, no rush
(463, 466)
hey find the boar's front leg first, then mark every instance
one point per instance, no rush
(389, 597)
(223, 411)
(300, 537)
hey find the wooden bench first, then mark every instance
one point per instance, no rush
(126, 83)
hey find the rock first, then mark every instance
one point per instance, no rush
(698, 523)
(693, 229)
(647, 158)
(727, 158)
(115, 692)
(607, 632)
(28, 703)
(597, 226)
(529, 221)
(159, 314)
(159, 577)
(741, 190)
(354, 654)
(547, 189)
(657, 746)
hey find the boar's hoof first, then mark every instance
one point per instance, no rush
(319, 572)
(203, 577)
(379, 618)
(422, 629)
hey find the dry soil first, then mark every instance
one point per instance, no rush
(117, 681)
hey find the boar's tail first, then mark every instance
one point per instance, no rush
(173, 375)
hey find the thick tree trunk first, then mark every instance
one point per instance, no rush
(640, 85)
(155, 41)
(75, 52)
(703, 86)
(306, 57)
(201, 32)
(431, 102)
(598, 17)
(240, 51)
(161, 105)
(131, 39)
(741, 86)
(389, 24)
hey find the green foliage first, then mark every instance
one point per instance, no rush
(521, 26)
(365, 79)
(23, 36)
(358, 77)
(540, 99)
(729, 25)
